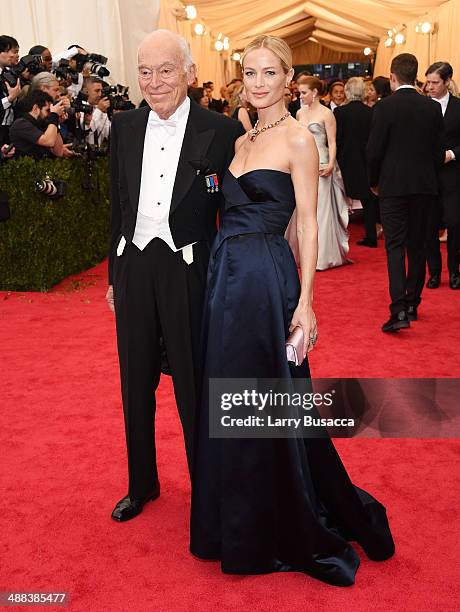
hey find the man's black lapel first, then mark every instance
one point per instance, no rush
(197, 138)
(449, 109)
(134, 142)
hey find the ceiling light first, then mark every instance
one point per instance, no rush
(190, 11)
(236, 57)
(400, 38)
(219, 45)
(367, 51)
(226, 43)
(426, 27)
(199, 29)
(389, 42)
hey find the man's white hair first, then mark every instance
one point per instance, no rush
(182, 43)
(354, 89)
(43, 79)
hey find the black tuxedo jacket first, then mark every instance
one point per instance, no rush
(207, 148)
(353, 128)
(405, 148)
(449, 174)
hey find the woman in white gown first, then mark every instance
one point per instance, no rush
(333, 205)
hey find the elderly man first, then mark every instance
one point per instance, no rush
(167, 163)
(353, 128)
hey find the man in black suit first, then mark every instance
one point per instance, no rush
(447, 210)
(167, 163)
(405, 150)
(353, 127)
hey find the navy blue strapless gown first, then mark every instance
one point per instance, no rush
(267, 505)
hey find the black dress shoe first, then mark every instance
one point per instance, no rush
(454, 281)
(129, 507)
(368, 243)
(412, 313)
(396, 322)
(434, 281)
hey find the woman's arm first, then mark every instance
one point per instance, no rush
(331, 128)
(243, 116)
(304, 164)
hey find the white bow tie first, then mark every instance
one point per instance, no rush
(168, 124)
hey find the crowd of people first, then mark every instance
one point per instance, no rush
(58, 105)
(340, 115)
(55, 105)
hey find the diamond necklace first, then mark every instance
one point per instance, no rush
(255, 132)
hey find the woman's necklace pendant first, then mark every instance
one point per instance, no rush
(255, 130)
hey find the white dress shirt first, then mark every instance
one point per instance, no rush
(100, 124)
(444, 101)
(162, 147)
(8, 116)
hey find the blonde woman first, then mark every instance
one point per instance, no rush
(266, 504)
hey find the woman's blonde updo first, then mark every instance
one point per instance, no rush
(275, 45)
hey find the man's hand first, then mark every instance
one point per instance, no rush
(13, 92)
(67, 152)
(103, 105)
(58, 108)
(109, 298)
(375, 190)
(10, 153)
(449, 156)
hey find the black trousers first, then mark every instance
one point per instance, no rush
(433, 246)
(4, 135)
(157, 296)
(404, 220)
(370, 212)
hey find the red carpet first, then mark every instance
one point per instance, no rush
(64, 464)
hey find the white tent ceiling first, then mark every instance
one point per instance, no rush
(345, 25)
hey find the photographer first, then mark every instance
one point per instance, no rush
(47, 60)
(47, 82)
(97, 125)
(36, 132)
(9, 56)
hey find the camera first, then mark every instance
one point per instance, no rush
(118, 96)
(32, 63)
(64, 72)
(80, 104)
(109, 91)
(119, 103)
(52, 188)
(97, 65)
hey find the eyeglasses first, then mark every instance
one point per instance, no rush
(165, 73)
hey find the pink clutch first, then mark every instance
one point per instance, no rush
(294, 346)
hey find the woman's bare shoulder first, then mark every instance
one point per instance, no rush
(299, 136)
